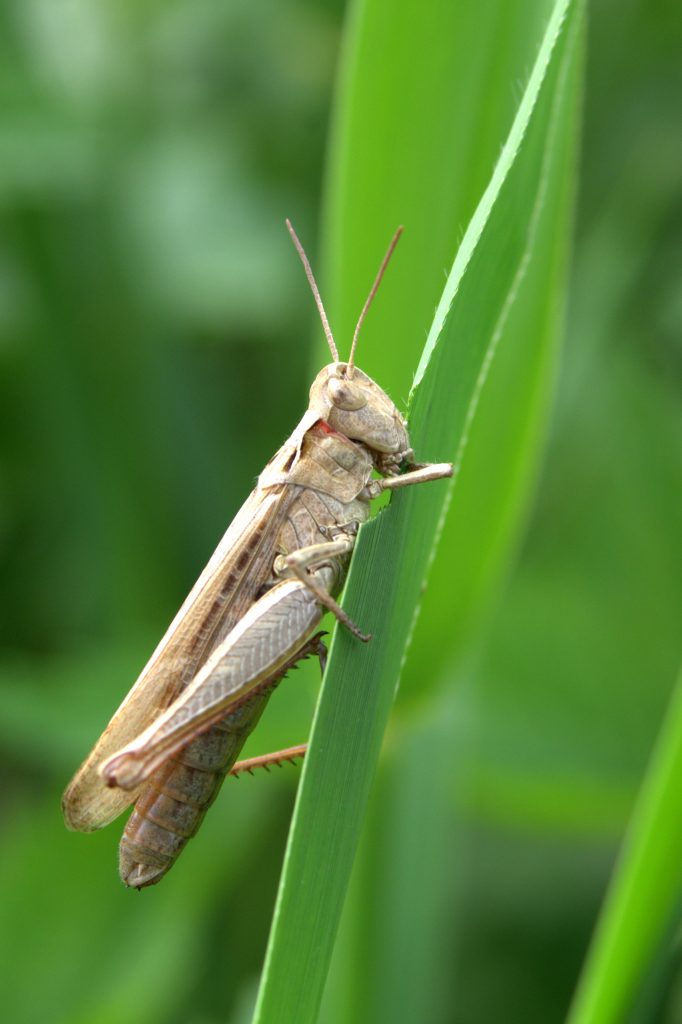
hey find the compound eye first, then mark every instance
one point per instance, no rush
(345, 395)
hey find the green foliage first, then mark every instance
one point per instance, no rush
(642, 910)
(393, 552)
(153, 326)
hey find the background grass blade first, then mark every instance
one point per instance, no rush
(642, 907)
(393, 552)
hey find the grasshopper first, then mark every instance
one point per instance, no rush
(250, 617)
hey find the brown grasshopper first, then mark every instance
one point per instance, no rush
(252, 614)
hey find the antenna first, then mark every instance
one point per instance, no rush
(368, 303)
(318, 301)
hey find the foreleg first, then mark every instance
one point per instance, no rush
(420, 474)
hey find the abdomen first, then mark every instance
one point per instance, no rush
(173, 803)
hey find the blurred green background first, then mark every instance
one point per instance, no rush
(155, 348)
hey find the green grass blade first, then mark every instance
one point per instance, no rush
(406, 77)
(405, 913)
(393, 552)
(645, 892)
